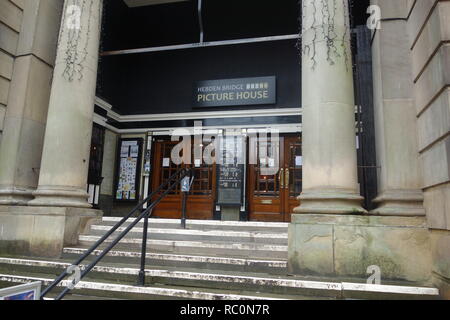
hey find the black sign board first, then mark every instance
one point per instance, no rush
(230, 184)
(235, 92)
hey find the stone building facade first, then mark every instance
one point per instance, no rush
(43, 203)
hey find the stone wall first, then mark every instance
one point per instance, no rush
(31, 37)
(28, 38)
(345, 246)
(108, 172)
(11, 16)
(429, 34)
(109, 162)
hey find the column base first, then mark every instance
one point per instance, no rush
(345, 246)
(15, 196)
(330, 202)
(42, 231)
(60, 197)
(400, 203)
(440, 249)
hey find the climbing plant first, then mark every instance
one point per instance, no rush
(76, 32)
(323, 26)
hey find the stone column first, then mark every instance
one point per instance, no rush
(399, 177)
(65, 159)
(342, 245)
(330, 184)
(29, 61)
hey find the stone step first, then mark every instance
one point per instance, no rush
(198, 235)
(161, 278)
(77, 297)
(189, 277)
(108, 290)
(248, 226)
(128, 274)
(185, 261)
(247, 250)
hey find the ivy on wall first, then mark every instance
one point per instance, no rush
(325, 29)
(75, 32)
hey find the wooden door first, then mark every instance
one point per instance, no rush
(265, 184)
(273, 194)
(293, 174)
(200, 201)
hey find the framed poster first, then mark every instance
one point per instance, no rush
(129, 167)
(29, 291)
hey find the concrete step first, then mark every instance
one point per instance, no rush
(198, 262)
(78, 297)
(127, 274)
(198, 235)
(248, 226)
(284, 286)
(107, 290)
(215, 248)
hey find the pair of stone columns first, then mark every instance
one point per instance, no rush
(329, 139)
(330, 184)
(65, 157)
(329, 236)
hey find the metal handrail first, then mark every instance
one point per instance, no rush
(183, 172)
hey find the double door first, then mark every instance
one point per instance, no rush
(275, 179)
(200, 201)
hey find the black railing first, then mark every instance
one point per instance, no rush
(145, 214)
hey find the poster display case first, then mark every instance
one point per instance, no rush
(231, 171)
(129, 168)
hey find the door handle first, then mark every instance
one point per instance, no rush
(281, 178)
(286, 179)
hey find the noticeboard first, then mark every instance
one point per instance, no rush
(230, 184)
(129, 163)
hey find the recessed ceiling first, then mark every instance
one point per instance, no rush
(143, 3)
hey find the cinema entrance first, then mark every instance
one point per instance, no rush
(272, 180)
